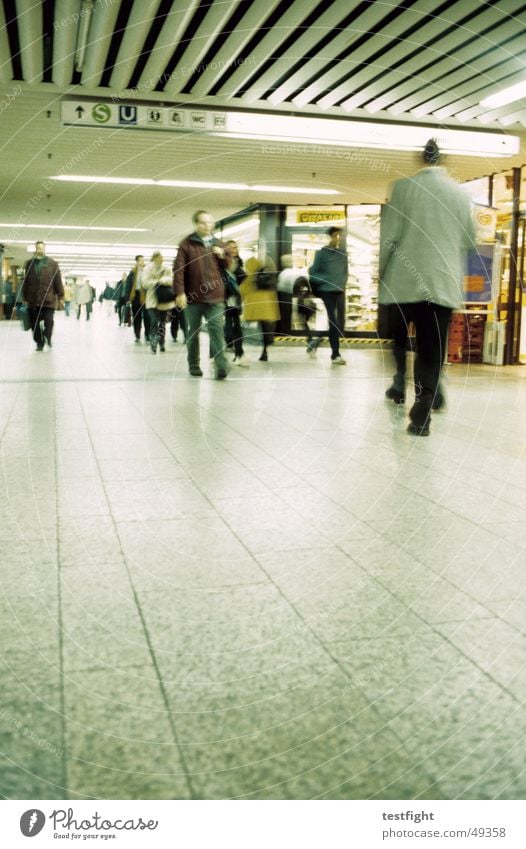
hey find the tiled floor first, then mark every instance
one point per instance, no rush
(257, 588)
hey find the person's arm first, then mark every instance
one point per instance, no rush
(180, 263)
(58, 286)
(391, 227)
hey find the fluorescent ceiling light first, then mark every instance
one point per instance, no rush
(194, 184)
(507, 95)
(87, 249)
(16, 225)
(348, 133)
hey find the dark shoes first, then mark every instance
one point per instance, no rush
(162, 349)
(395, 395)
(195, 371)
(221, 373)
(418, 430)
(40, 347)
(264, 357)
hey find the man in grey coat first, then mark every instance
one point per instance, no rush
(427, 229)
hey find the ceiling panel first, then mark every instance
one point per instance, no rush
(392, 60)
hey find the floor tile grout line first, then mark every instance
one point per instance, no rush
(293, 607)
(151, 650)
(62, 673)
(432, 625)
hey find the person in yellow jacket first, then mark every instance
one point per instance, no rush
(260, 301)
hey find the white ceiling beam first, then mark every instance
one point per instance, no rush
(230, 50)
(211, 26)
(29, 19)
(169, 37)
(102, 25)
(64, 40)
(270, 41)
(137, 29)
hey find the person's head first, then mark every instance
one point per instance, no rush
(40, 249)
(157, 258)
(334, 234)
(431, 153)
(139, 260)
(232, 248)
(203, 223)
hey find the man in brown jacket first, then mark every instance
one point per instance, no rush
(42, 289)
(198, 277)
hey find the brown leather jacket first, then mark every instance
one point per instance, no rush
(43, 291)
(198, 271)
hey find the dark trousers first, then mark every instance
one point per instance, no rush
(267, 333)
(334, 303)
(140, 315)
(177, 320)
(431, 323)
(233, 331)
(46, 316)
(285, 312)
(157, 322)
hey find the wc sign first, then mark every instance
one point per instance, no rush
(127, 115)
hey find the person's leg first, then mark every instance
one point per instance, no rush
(34, 318)
(66, 308)
(228, 330)
(193, 314)
(174, 323)
(154, 331)
(162, 328)
(237, 332)
(399, 318)
(137, 316)
(431, 324)
(48, 317)
(182, 322)
(214, 317)
(267, 333)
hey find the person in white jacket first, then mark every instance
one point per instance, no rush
(157, 281)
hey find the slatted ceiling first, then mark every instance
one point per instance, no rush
(516, 117)
(29, 21)
(316, 30)
(450, 70)
(268, 45)
(211, 26)
(102, 26)
(325, 75)
(383, 55)
(425, 67)
(64, 41)
(230, 50)
(170, 35)
(133, 42)
(480, 85)
(405, 60)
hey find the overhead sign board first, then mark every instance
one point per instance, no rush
(82, 113)
(290, 128)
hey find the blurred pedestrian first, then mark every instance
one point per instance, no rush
(260, 302)
(157, 282)
(328, 278)
(42, 290)
(427, 229)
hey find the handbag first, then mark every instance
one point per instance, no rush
(265, 280)
(164, 293)
(22, 312)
